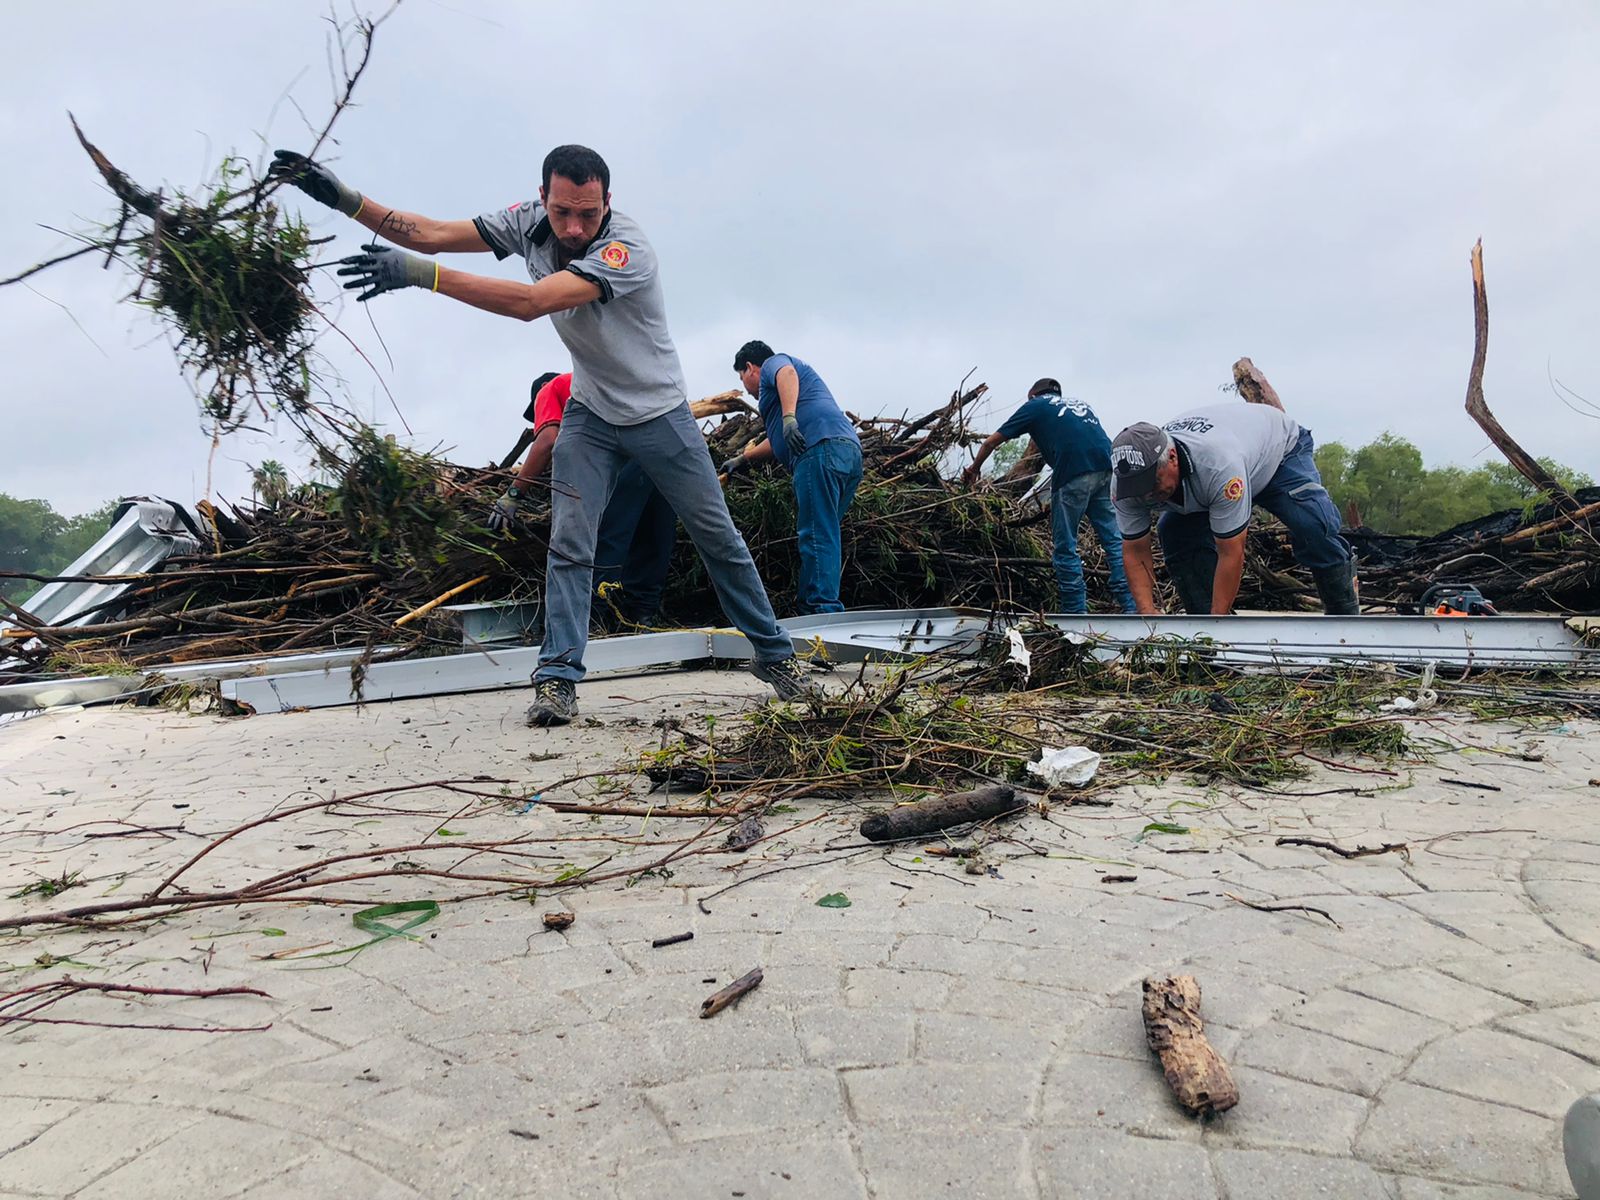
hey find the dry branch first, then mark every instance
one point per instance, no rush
(1197, 1074)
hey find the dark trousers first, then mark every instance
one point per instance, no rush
(634, 546)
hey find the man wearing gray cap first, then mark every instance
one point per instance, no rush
(1205, 470)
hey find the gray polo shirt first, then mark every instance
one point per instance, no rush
(1229, 453)
(625, 368)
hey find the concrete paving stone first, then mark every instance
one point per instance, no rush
(863, 1038)
(1569, 850)
(942, 919)
(1289, 1114)
(326, 1172)
(1574, 1028)
(576, 1061)
(983, 1164)
(1433, 994)
(1281, 1175)
(933, 1095)
(1285, 883)
(571, 969)
(437, 986)
(959, 1037)
(709, 953)
(1419, 1130)
(1540, 977)
(657, 996)
(1043, 1007)
(749, 1103)
(745, 1037)
(1317, 1058)
(1103, 1164)
(1113, 1093)
(218, 1156)
(495, 1163)
(1114, 1030)
(1146, 912)
(847, 949)
(23, 1119)
(91, 1142)
(898, 988)
(1114, 966)
(1505, 1069)
(1365, 1022)
(1541, 869)
(1498, 921)
(760, 1168)
(1413, 1188)
(1242, 997)
(859, 919)
(953, 955)
(1371, 880)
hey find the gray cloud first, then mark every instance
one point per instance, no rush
(1128, 197)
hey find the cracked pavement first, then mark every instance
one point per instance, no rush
(945, 1034)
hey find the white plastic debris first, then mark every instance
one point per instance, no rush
(1067, 766)
(1426, 696)
(1019, 653)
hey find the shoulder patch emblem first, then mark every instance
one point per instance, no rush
(615, 256)
(1233, 489)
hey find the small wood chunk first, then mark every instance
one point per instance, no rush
(941, 812)
(559, 920)
(1196, 1073)
(717, 1001)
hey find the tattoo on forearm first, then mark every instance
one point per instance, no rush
(394, 224)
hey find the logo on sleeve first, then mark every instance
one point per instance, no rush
(1233, 489)
(615, 256)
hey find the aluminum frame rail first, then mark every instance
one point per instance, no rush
(143, 534)
(1518, 643)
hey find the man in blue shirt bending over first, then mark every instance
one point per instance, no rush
(809, 435)
(1078, 453)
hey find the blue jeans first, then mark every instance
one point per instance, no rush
(589, 456)
(635, 543)
(1294, 495)
(825, 480)
(1073, 498)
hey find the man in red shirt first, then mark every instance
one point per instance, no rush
(637, 530)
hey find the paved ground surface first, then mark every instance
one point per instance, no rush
(945, 1035)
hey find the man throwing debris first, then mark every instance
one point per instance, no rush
(596, 277)
(1205, 469)
(808, 434)
(1072, 442)
(637, 531)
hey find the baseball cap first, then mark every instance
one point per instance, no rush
(1136, 452)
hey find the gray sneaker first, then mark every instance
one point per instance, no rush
(555, 702)
(787, 677)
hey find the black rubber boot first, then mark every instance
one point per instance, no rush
(1337, 587)
(1194, 580)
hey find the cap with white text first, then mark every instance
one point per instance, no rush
(1136, 452)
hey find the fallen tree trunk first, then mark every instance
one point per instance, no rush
(929, 816)
(1195, 1071)
(1253, 385)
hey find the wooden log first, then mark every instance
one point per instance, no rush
(731, 401)
(1563, 522)
(1478, 407)
(1253, 385)
(717, 1001)
(941, 812)
(1196, 1073)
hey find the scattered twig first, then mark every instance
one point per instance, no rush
(1400, 848)
(717, 1001)
(1307, 908)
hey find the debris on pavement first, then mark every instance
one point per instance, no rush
(1197, 1074)
(941, 812)
(717, 1001)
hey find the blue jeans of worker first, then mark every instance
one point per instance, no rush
(825, 480)
(635, 542)
(589, 455)
(1294, 495)
(1074, 498)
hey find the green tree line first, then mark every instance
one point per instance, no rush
(1396, 493)
(34, 537)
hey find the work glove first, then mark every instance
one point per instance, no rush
(504, 511)
(321, 184)
(792, 437)
(734, 465)
(384, 269)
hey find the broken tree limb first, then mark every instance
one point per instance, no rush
(941, 812)
(1197, 1074)
(1253, 385)
(1341, 851)
(1478, 407)
(717, 1001)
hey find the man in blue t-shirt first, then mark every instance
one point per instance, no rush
(1078, 453)
(810, 437)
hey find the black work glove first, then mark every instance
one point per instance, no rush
(792, 437)
(505, 509)
(321, 184)
(733, 466)
(384, 269)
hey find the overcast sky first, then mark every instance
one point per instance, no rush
(1127, 196)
